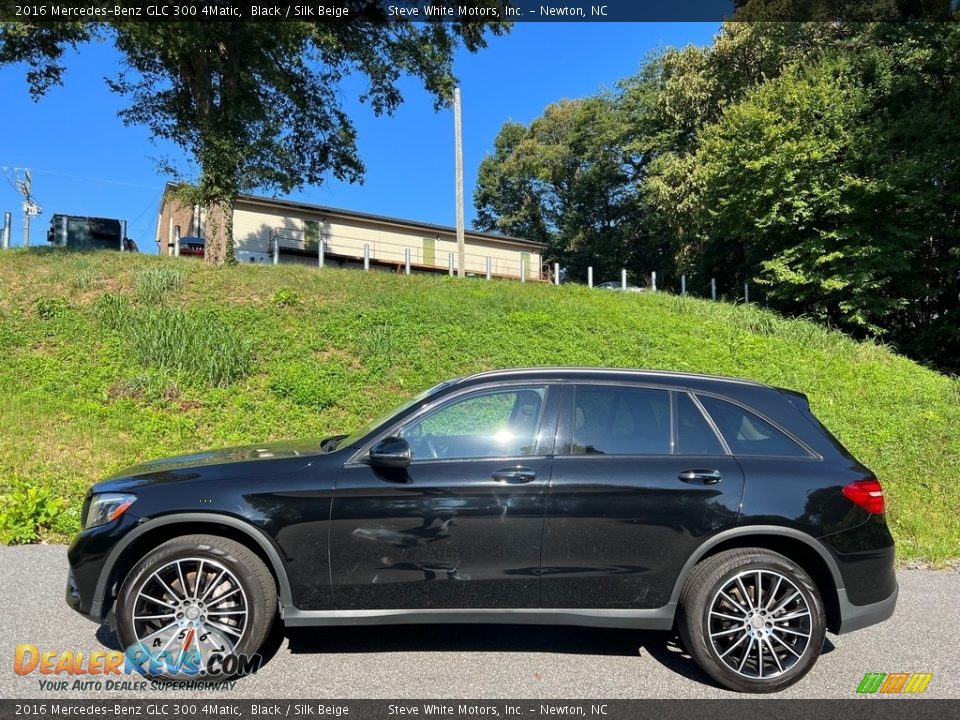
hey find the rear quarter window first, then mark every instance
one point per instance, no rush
(747, 433)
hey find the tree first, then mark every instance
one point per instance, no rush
(779, 190)
(506, 196)
(257, 104)
(815, 159)
(565, 180)
(833, 182)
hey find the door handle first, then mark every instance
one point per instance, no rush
(517, 474)
(700, 477)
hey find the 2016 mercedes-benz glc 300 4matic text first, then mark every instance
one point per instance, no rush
(598, 497)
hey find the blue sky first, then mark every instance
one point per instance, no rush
(86, 162)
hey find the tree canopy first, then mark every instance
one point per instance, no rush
(817, 161)
(258, 105)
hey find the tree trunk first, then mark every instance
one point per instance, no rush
(218, 248)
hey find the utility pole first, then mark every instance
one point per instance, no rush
(30, 206)
(5, 241)
(458, 144)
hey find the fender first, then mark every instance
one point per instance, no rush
(99, 604)
(753, 530)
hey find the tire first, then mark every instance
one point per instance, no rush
(204, 594)
(782, 629)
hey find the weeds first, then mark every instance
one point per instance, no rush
(196, 345)
(193, 344)
(113, 310)
(27, 510)
(48, 308)
(380, 342)
(310, 385)
(84, 278)
(155, 285)
(284, 297)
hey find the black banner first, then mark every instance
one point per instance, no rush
(47, 11)
(737, 709)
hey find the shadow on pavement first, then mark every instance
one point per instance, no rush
(663, 647)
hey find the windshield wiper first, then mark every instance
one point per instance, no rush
(331, 443)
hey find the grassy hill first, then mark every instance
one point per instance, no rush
(109, 359)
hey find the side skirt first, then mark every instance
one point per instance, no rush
(656, 619)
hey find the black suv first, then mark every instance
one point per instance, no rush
(607, 498)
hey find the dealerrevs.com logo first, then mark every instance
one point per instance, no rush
(901, 683)
(111, 669)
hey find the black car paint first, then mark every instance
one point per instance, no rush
(343, 536)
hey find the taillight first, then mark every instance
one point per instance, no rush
(867, 494)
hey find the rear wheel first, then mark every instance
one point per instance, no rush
(193, 603)
(752, 619)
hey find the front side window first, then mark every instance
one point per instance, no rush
(747, 433)
(615, 420)
(492, 423)
(358, 435)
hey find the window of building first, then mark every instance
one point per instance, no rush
(311, 234)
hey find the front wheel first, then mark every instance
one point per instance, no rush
(196, 607)
(752, 619)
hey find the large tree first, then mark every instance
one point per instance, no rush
(258, 105)
(817, 161)
(834, 184)
(564, 180)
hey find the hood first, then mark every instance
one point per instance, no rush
(190, 466)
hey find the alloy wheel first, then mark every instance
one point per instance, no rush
(759, 624)
(190, 605)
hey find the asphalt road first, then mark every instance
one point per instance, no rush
(450, 661)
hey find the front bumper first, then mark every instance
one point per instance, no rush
(75, 602)
(89, 590)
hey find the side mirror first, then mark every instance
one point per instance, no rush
(391, 452)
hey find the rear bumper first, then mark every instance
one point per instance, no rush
(854, 617)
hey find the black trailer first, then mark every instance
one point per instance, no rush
(89, 233)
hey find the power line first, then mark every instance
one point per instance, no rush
(82, 177)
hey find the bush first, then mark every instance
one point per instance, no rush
(155, 285)
(27, 511)
(285, 298)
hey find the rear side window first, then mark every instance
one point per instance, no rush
(694, 434)
(747, 433)
(615, 420)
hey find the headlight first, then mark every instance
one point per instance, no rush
(106, 507)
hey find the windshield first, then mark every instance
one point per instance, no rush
(370, 426)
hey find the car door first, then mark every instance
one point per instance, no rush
(460, 527)
(639, 480)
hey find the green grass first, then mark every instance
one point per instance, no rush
(156, 285)
(109, 359)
